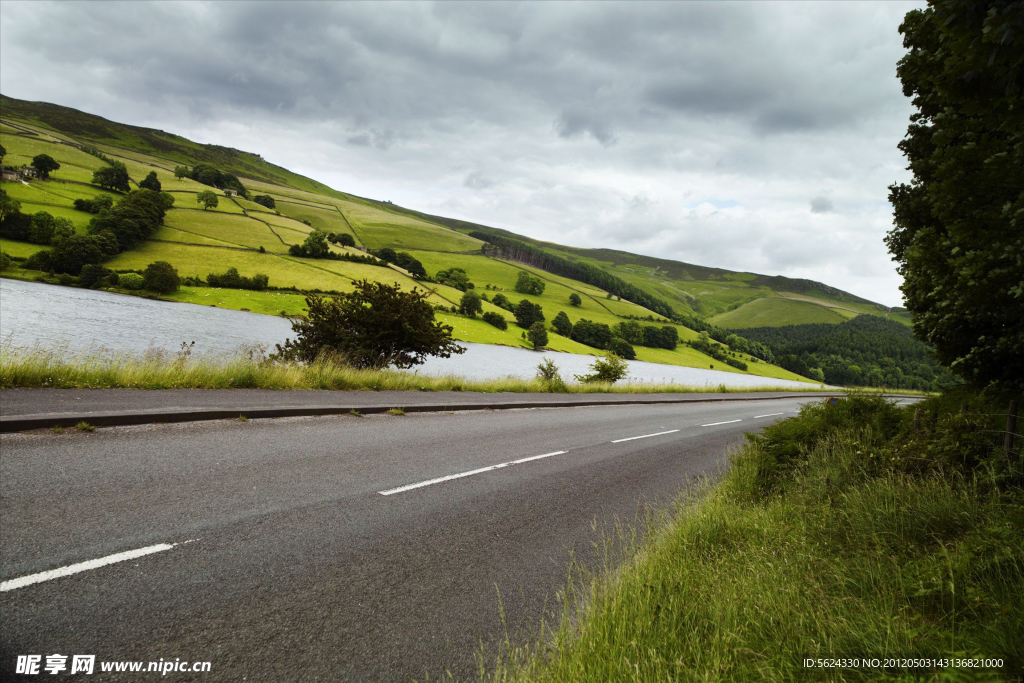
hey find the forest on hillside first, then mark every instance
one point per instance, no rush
(865, 351)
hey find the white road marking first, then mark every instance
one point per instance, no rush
(430, 482)
(645, 436)
(768, 415)
(60, 572)
(715, 424)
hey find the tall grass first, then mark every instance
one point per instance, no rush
(837, 534)
(161, 370)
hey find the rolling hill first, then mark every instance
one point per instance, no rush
(252, 238)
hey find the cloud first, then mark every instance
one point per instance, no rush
(821, 205)
(584, 107)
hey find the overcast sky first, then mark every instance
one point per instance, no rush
(751, 136)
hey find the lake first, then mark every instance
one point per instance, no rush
(83, 321)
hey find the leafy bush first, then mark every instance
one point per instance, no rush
(608, 369)
(162, 277)
(495, 319)
(232, 280)
(621, 347)
(375, 326)
(130, 281)
(501, 301)
(596, 335)
(150, 182)
(453, 277)
(548, 372)
(94, 205)
(265, 200)
(574, 299)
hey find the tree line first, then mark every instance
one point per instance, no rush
(865, 351)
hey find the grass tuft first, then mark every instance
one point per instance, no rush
(85, 427)
(396, 411)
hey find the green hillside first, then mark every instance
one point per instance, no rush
(254, 239)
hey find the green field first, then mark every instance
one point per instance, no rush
(22, 249)
(198, 242)
(776, 311)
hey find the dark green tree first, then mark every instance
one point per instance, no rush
(68, 255)
(561, 324)
(112, 177)
(528, 284)
(454, 277)
(470, 304)
(162, 277)
(208, 198)
(150, 182)
(622, 348)
(44, 165)
(527, 313)
(3, 153)
(537, 335)
(574, 299)
(265, 200)
(181, 172)
(496, 319)
(374, 326)
(959, 224)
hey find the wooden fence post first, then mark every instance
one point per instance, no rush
(1011, 427)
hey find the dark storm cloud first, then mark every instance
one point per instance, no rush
(563, 112)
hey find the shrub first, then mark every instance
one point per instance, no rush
(608, 369)
(501, 301)
(548, 373)
(92, 275)
(453, 277)
(574, 299)
(621, 347)
(495, 319)
(232, 280)
(130, 281)
(161, 276)
(265, 200)
(597, 335)
(150, 182)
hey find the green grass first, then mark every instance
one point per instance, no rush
(776, 311)
(841, 533)
(325, 220)
(22, 249)
(74, 163)
(187, 200)
(378, 228)
(232, 228)
(55, 368)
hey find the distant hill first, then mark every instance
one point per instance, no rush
(713, 293)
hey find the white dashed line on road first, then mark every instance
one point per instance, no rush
(23, 581)
(470, 473)
(645, 436)
(715, 424)
(768, 415)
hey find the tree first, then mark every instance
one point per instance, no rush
(208, 198)
(501, 301)
(562, 324)
(68, 255)
(181, 172)
(527, 284)
(265, 200)
(374, 326)
(8, 206)
(621, 347)
(346, 240)
(44, 165)
(574, 299)
(454, 277)
(112, 177)
(527, 313)
(150, 182)
(161, 276)
(3, 153)
(958, 233)
(631, 331)
(470, 304)
(597, 335)
(537, 335)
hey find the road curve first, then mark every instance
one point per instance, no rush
(327, 548)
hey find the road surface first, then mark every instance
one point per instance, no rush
(327, 548)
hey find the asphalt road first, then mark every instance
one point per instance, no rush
(301, 549)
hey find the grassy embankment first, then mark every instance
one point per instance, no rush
(844, 532)
(156, 370)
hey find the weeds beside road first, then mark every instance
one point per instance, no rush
(847, 532)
